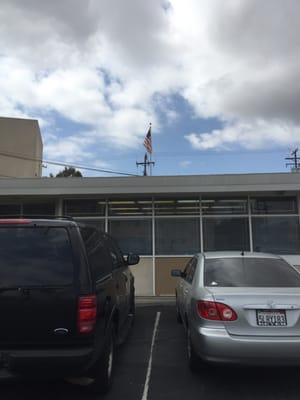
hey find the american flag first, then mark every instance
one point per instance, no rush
(148, 141)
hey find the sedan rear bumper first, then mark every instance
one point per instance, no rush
(217, 346)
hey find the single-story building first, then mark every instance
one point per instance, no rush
(166, 219)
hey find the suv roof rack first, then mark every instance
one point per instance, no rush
(37, 216)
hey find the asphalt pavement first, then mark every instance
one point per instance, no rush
(167, 373)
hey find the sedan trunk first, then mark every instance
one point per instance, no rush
(263, 291)
(261, 311)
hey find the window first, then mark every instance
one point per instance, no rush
(37, 209)
(115, 253)
(191, 270)
(133, 236)
(224, 206)
(187, 268)
(35, 257)
(225, 234)
(98, 256)
(99, 224)
(177, 236)
(167, 207)
(130, 207)
(43, 208)
(84, 207)
(10, 209)
(279, 235)
(274, 205)
(249, 272)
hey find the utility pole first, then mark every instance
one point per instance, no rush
(295, 160)
(146, 164)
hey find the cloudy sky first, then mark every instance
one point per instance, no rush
(219, 80)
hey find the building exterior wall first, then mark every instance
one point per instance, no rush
(167, 231)
(164, 283)
(143, 277)
(167, 228)
(21, 145)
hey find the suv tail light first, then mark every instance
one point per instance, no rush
(214, 311)
(87, 313)
(15, 221)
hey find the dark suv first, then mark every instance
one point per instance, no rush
(66, 300)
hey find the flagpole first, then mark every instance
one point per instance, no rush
(151, 150)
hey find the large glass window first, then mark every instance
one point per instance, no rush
(10, 209)
(176, 207)
(177, 236)
(99, 224)
(279, 235)
(133, 236)
(274, 205)
(41, 208)
(34, 208)
(84, 207)
(224, 206)
(225, 234)
(130, 207)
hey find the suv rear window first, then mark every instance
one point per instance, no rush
(35, 256)
(249, 272)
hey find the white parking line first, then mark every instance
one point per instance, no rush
(146, 386)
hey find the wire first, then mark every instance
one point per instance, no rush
(208, 153)
(21, 157)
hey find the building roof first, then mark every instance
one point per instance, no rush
(185, 184)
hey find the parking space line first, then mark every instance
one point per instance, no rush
(148, 375)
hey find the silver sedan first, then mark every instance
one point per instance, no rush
(239, 308)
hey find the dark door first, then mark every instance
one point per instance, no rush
(101, 266)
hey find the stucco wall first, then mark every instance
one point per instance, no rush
(20, 146)
(143, 274)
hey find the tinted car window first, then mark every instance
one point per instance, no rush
(250, 272)
(99, 259)
(191, 270)
(187, 269)
(115, 253)
(35, 256)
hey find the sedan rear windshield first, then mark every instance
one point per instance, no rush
(35, 256)
(249, 272)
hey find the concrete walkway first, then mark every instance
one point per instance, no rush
(155, 300)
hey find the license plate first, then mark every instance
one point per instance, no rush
(271, 318)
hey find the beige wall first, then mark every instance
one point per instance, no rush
(20, 137)
(143, 275)
(165, 284)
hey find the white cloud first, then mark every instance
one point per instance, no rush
(253, 135)
(185, 163)
(72, 148)
(110, 64)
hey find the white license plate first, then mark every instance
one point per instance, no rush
(271, 318)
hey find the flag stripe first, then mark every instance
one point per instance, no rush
(148, 141)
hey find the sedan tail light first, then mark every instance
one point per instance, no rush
(214, 311)
(87, 313)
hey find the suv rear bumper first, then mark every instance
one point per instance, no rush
(45, 362)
